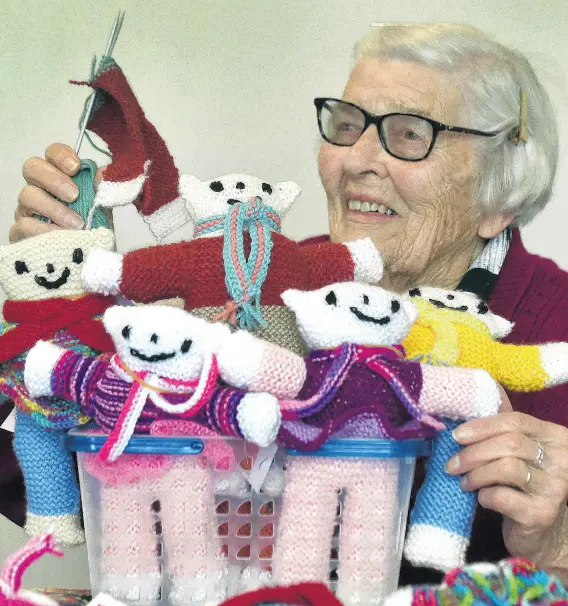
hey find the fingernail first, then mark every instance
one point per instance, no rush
(73, 220)
(462, 433)
(453, 464)
(68, 192)
(70, 165)
(464, 482)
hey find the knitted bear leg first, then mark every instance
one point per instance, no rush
(307, 520)
(51, 484)
(193, 553)
(129, 565)
(368, 541)
(440, 523)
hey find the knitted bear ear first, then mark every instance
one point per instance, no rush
(287, 192)
(293, 298)
(113, 319)
(190, 188)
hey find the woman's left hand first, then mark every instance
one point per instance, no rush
(519, 464)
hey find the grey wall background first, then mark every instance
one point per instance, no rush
(229, 84)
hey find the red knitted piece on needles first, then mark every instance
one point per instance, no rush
(42, 319)
(194, 271)
(132, 140)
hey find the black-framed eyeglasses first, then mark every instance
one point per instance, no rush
(404, 136)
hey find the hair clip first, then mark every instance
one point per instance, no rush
(521, 133)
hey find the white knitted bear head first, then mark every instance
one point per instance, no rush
(350, 312)
(163, 340)
(461, 300)
(216, 197)
(49, 265)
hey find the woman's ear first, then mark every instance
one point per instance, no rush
(494, 225)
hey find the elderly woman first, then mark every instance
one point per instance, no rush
(428, 153)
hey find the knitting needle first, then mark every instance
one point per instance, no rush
(117, 25)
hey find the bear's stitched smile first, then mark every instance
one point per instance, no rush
(361, 316)
(441, 304)
(154, 358)
(50, 285)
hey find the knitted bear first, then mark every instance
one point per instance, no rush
(357, 385)
(458, 329)
(46, 300)
(259, 263)
(166, 367)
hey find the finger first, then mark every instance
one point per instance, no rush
(28, 227)
(508, 471)
(477, 430)
(529, 511)
(506, 405)
(510, 444)
(41, 173)
(35, 201)
(63, 157)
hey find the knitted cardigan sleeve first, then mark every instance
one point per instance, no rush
(157, 272)
(76, 378)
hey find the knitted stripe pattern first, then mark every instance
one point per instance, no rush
(513, 581)
(368, 530)
(364, 404)
(49, 412)
(102, 393)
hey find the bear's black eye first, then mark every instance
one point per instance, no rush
(451, 297)
(21, 267)
(154, 338)
(216, 186)
(415, 292)
(126, 332)
(185, 346)
(240, 185)
(267, 188)
(365, 299)
(330, 298)
(78, 255)
(482, 308)
(395, 306)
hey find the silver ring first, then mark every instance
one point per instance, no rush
(538, 460)
(528, 480)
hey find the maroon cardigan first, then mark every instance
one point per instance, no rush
(533, 293)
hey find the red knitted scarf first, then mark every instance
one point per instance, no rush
(303, 594)
(43, 319)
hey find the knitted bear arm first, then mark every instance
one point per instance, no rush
(458, 393)
(330, 262)
(158, 272)
(76, 378)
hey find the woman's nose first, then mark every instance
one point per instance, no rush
(367, 154)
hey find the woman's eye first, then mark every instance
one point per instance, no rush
(345, 127)
(411, 135)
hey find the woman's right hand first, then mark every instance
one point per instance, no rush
(49, 184)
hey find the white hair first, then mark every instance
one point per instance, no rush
(515, 179)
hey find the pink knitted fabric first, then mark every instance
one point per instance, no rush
(368, 532)
(133, 539)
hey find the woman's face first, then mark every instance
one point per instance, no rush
(436, 228)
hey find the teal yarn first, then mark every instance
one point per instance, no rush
(85, 181)
(244, 277)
